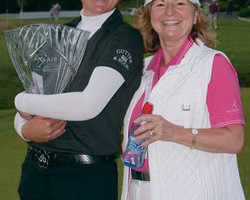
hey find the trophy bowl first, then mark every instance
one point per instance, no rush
(46, 57)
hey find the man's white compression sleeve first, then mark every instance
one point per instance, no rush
(18, 123)
(74, 106)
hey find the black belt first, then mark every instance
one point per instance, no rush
(46, 158)
(142, 176)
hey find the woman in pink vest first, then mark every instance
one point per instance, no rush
(196, 128)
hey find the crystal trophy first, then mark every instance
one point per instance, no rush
(46, 57)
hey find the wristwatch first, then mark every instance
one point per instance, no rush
(195, 133)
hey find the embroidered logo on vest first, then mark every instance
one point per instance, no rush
(124, 57)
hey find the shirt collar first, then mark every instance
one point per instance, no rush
(156, 62)
(93, 23)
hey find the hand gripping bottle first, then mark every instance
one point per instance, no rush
(134, 154)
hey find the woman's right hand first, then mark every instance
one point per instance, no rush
(156, 128)
(41, 129)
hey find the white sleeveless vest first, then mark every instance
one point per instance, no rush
(176, 172)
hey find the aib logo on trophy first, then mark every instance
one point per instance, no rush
(42, 59)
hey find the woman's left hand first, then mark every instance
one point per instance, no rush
(156, 128)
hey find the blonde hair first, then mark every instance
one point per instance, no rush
(202, 29)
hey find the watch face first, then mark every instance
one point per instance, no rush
(195, 131)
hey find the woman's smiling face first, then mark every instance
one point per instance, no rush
(173, 19)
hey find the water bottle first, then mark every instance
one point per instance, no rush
(134, 154)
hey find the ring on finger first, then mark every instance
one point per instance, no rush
(152, 134)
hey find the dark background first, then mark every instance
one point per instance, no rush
(12, 6)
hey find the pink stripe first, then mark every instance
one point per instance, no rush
(224, 124)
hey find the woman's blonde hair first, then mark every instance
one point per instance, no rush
(202, 29)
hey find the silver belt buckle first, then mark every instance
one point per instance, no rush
(43, 159)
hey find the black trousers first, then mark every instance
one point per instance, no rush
(81, 182)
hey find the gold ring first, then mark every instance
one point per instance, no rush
(152, 134)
